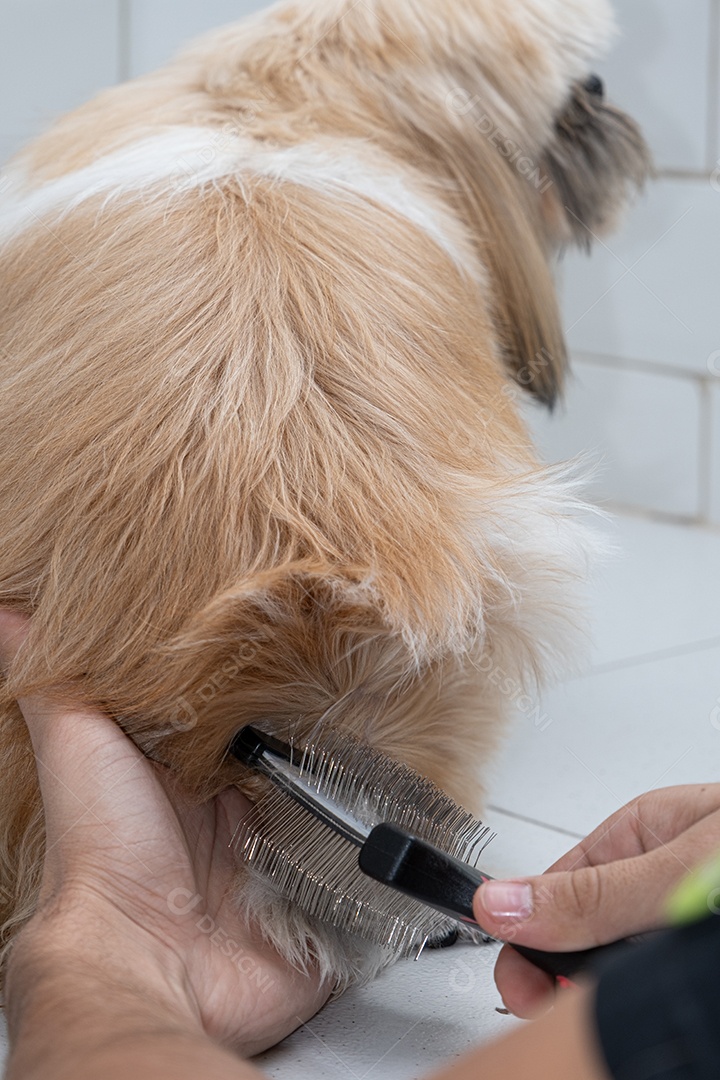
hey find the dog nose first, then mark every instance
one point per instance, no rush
(595, 86)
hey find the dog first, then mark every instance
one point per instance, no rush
(266, 316)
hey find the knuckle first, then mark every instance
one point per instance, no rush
(657, 817)
(585, 894)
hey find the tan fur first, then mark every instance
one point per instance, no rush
(261, 458)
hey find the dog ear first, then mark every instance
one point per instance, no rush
(510, 237)
(504, 215)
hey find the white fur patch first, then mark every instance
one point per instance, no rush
(542, 538)
(182, 159)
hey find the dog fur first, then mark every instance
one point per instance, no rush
(263, 317)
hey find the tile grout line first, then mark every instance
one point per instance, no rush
(705, 452)
(534, 821)
(684, 174)
(689, 649)
(657, 517)
(644, 367)
(713, 460)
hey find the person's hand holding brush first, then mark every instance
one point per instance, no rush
(612, 885)
(113, 976)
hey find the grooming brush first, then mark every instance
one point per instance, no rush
(368, 845)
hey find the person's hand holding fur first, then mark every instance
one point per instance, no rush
(105, 979)
(613, 884)
(124, 853)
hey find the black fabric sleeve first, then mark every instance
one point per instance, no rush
(657, 1007)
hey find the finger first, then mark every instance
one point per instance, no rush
(526, 990)
(66, 735)
(78, 750)
(47, 719)
(654, 818)
(235, 807)
(14, 628)
(583, 908)
(82, 769)
(99, 792)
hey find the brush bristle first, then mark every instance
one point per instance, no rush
(315, 868)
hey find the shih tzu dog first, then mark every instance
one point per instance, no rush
(265, 315)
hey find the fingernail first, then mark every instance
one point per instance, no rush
(507, 899)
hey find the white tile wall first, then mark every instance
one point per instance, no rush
(648, 296)
(54, 54)
(651, 291)
(641, 427)
(659, 70)
(158, 28)
(715, 451)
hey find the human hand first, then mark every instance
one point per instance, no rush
(137, 883)
(612, 885)
(107, 980)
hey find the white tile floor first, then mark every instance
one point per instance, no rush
(645, 714)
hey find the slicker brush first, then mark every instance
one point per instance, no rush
(304, 835)
(371, 847)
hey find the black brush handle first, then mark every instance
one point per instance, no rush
(417, 869)
(250, 745)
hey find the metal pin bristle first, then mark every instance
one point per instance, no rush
(308, 863)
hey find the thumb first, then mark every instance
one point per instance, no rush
(14, 629)
(579, 909)
(76, 748)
